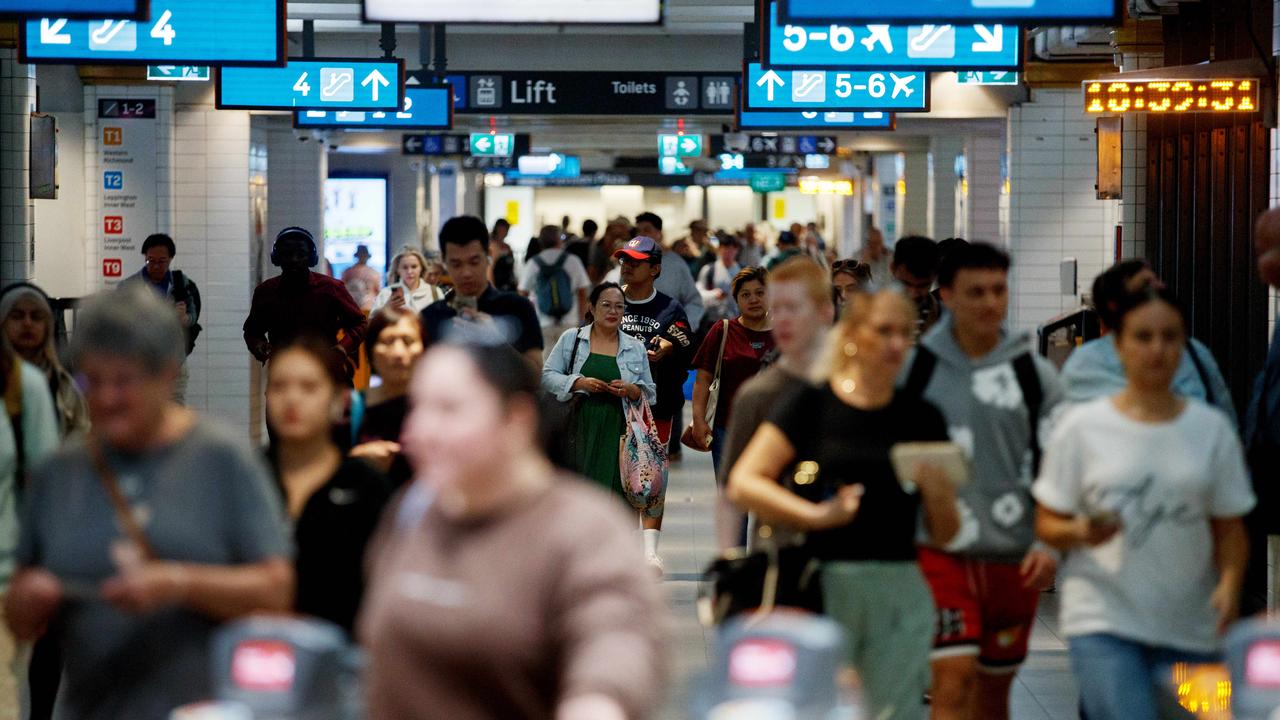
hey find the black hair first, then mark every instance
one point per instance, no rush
(1111, 287)
(589, 227)
(650, 218)
(501, 222)
(1130, 302)
(320, 351)
(948, 246)
(749, 274)
(159, 240)
(786, 237)
(918, 255)
(464, 230)
(385, 317)
(972, 256)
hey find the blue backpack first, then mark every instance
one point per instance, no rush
(554, 289)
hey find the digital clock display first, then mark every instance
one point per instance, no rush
(1171, 96)
(126, 109)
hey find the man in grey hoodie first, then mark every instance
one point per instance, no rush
(995, 393)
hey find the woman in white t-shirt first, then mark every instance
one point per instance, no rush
(1145, 492)
(406, 286)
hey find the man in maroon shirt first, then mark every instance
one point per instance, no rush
(300, 303)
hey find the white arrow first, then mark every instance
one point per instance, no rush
(413, 143)
(688, 144)
(772, 80)
(166, 69)
(826, 145)
(375, 77)
(992, 38)
(482, 144)
(51, 32)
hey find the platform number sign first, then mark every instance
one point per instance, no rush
(112, 267)
(113, 224)
(113, 180)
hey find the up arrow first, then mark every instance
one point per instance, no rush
(51, 32)
(992, 38)
(376, 79)
(769, 81)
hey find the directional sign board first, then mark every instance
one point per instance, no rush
(131, 9)
(1068, 12)
(987, 77)
(560, 12)
(196, 32)
(179, 73)
(673, 166)
(452, 144)
(881, 47)
(681, 146)
(774, 144)
(314, 84)
(554, 165)
(493, 144)
(897, 90)
(594, 93)
(800, 120)
(768, 182)
(425, 108)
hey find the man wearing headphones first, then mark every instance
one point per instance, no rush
(300, 303)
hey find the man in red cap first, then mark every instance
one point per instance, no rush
(660, 322)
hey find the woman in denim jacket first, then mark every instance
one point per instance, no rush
(600, 368)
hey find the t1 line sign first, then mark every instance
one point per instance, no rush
(314, 84)
(897, 90)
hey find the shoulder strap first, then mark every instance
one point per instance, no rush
(1024, 366)
(573, 354)
(724, 337)
(921, 372)
(538, 261)
(124, 514)
(560, 261)
(357, 416)
(13, 408)
(1201, 371)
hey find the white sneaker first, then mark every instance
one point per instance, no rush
(655, 562)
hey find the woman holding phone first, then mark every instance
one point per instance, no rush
(1145, 491)
(860, 521)
(407, 286)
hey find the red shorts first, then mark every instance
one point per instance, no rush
(664, 430)
(983, 609)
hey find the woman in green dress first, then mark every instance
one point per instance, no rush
(601, 369)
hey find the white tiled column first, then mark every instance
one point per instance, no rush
(885, 213)
(1139, 46)
(1053, 210)
(983, 178)
(296, 172)
(943, 152)
(915, 204)
(17, 214)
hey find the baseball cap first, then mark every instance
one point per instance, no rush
(644, 249)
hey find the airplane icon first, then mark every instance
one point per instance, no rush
(879, 34)
(902, 85)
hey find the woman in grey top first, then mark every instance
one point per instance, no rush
(140, 538)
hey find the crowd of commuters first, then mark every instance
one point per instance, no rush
(406, 511)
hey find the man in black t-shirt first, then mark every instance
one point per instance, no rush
(660, 323)
(475, 310)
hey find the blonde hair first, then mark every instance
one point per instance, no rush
(857, 312)
(393, 271)
(809, 274)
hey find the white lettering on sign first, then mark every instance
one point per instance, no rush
(533, 92)
(631, 87)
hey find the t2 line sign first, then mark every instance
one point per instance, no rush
(180, 32)
(314, 84)
(817, 89)
(882, 47)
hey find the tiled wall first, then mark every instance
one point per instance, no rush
(1052, 205)
(296, 172)
(942, 186)
(1133, 207)
(17, 102)
(915, 204)
(982, 158)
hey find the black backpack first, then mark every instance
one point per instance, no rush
(185, 290)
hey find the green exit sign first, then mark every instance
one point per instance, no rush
(987, 77)
(492, 144)
(768, 182)
(680, 146)
(191, 73)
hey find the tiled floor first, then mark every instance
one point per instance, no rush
(1045, 689)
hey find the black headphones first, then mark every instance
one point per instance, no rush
(312, 260)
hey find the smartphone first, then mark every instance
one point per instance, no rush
(460, 303)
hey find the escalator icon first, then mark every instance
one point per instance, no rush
(337, 84)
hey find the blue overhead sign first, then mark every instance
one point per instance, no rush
(76, 8)
(194, 32)
(881, 47)
(425, 108)
(314, 84)
(1076, 12)
(768, 120)
(815, 89)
